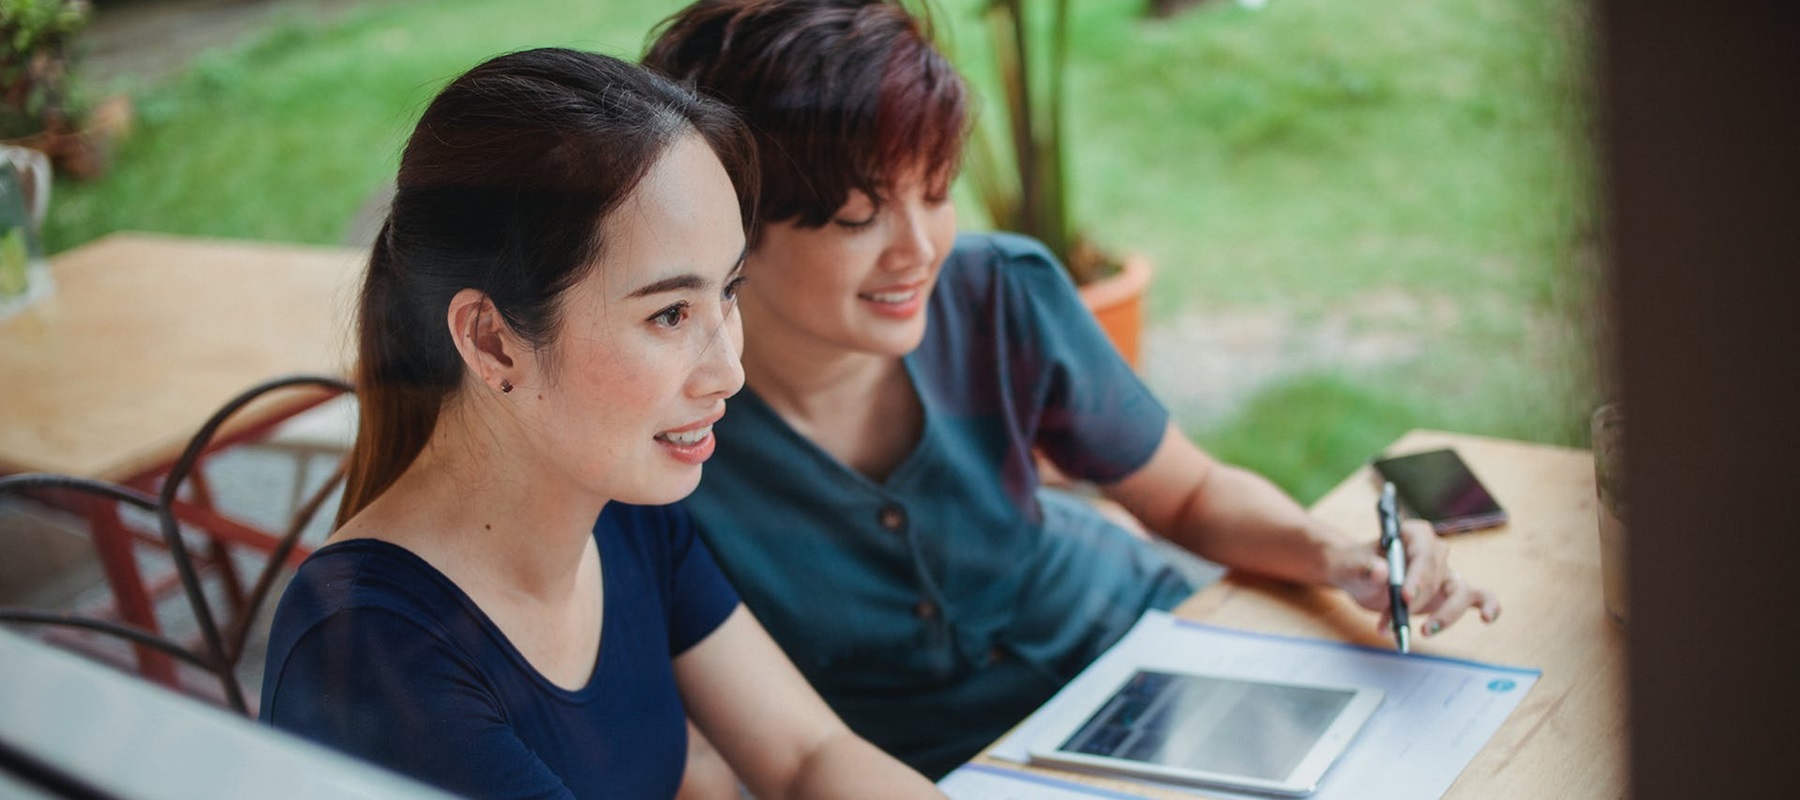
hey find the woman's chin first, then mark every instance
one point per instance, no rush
(672, 490)
(896, 342)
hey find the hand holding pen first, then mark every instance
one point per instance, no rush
(1409, 574)
(1394, 546)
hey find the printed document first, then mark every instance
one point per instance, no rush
(988, 782)
(1438, 712)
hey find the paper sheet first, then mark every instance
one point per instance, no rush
(1438, 712)
(988, 782)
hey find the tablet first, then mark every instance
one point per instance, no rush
(1276, 738)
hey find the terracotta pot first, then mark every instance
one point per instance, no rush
(84, 153)
(1117, 301)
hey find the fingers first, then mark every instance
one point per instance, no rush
(1361, 572)
(1427, 563)
(1489, 606)
(1437, 593)
(1455, 598)
(1436, 596)
(1452, 600)
(1371, 590)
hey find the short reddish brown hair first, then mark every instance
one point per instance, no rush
(840, 94)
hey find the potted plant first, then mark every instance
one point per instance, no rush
(38, 106)
(1022, 181)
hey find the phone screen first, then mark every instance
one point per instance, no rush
(1438, 487)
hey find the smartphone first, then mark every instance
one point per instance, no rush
(1438, 487)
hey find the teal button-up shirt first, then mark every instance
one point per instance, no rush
(935, 609)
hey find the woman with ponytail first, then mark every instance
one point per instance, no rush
(547, 332)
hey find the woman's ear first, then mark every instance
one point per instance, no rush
(488, 347)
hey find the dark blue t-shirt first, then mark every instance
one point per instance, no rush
(938, 607)
(376, 653)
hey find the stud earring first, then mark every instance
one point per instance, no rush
(506, 387)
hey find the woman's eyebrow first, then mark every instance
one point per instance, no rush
(673, 283)
(686, 282)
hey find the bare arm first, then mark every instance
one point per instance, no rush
(774, 730)
(1240, 519)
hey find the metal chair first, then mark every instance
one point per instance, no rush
(284, 551)
(207, 657)
(222, 635)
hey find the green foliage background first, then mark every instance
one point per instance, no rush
(1420, 169)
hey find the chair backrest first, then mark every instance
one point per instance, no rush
(207, 660)
(222, 636)
(227, 640)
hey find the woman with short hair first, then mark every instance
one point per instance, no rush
(900, 380)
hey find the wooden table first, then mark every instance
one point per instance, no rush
(1568, 737)
(144, 337)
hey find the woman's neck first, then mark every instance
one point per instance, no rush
(483, 514)
(859, 407)
(804, 380)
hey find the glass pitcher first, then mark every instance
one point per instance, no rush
(24, 197)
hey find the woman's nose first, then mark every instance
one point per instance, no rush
(720, 372)
(912, 243)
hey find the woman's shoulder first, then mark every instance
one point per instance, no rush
(999, 252)
(993, 269)
(367, 581)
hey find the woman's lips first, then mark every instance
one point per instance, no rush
(691, 444)
(897, 302)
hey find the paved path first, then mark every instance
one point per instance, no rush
(148, 40)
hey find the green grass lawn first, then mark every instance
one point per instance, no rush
(1315, 158)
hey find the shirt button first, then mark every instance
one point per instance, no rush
(891, 518)
(925, 610)
(995, 655)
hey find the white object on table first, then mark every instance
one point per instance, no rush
(988, 782)
(128, 738)
(1437, 715)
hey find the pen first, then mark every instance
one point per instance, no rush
(1389, 510)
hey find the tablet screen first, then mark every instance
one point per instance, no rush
(1221, 725)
